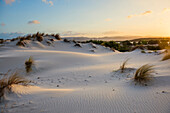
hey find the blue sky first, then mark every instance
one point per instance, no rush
(92, 18)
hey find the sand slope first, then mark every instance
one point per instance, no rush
(69, 79)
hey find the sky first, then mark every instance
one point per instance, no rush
(86, 18)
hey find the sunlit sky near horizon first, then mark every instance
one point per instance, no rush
(91, 18)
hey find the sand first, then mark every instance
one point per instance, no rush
(68, 79)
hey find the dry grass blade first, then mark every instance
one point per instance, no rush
(7, 81)
(123, 66)
(16, 79)
(144, 73)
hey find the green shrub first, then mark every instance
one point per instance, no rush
(153, 42)
(153, 47)
(126, 43)
(144, 42)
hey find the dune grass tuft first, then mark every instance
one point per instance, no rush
(7, 81)
(123, 66)
(57, 36)
(28, 64)
(144, 73)
(143, 51)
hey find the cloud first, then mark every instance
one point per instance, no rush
(10, 35)
(9, 1)
(130, 16)
(166, 10)
(146, 12)
(142, 14)
(48, 2)
(2, 24)
(51, 3)
(108, 19)
(34, 22)
(111, 32)
(71, 33)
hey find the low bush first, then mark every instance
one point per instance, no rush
(153, 47)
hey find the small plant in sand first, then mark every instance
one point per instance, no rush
(144, 73)
(57, 36)
(28, 64)
(7, 81)
(66, 40)
(39, 38)
(143, 51)
(123, 66)
(1, 41)
(20, 43)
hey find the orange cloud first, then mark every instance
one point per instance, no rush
(130, 16)
(34, 22)
(146, 12)
(9, 1)
(142, 14)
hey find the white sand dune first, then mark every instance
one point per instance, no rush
(69, 79)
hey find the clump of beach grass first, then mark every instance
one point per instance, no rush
(143, 51)
(7, 81)
(28, 64)
(144, 74)
(123, 66)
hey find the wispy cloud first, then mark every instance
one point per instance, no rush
(146, 12)
(34, 22)
(108, 19)
(111, 32)
(9, 1)
(48, 2)
(2, 24)
(166, 10)
(72, 33)
(142, 14)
